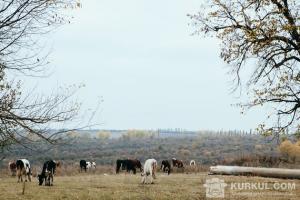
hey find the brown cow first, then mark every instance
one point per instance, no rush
(128, 165)
(12, 167)
(177, 163)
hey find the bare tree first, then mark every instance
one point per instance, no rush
(267, 34)
(25, 115)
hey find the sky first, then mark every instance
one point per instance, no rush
(140, 57)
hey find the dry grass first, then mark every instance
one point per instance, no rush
(110, 186)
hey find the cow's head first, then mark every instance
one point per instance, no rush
(139, 165)
(41, 179)
(58, 163)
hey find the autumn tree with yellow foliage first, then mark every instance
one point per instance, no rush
(266, 33)
(290, 150)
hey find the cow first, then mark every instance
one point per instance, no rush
(133, 165)
(166, 166)
(120, 164)
(193, 163)
(193, 166)
(12, 167)
(128, 165)
(82, 165)
(177, 163)
(85, 165)
(23, 168)
(91, 165)
(149, 170)
(48, 172)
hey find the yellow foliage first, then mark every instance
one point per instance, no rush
(104, 135)
(289, 148)
(73, 134)
(138, 134)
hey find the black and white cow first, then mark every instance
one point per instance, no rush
(84, 165)
(23, 168)
(166, 166)
(48, 172)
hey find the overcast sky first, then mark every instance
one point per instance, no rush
(141, 58)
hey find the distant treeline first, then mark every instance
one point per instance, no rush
(106, 134)
(206, 148)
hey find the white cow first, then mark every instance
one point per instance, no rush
(149, 170)
(193, 163)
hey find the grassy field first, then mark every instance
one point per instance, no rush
(110, 186)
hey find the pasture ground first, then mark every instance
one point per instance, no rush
(111, 186)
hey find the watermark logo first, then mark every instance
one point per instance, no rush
(215, 188)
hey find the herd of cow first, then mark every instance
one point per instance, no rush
(22, 168)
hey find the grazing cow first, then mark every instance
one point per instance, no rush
(132, 165)
(12, 166)
(48, 172)
(149, 170)
(166, 166)
(91, 165)
(119, 164)
(128, 165)
(177, 163)
(193, 163)
(23, 168)
(83, 165)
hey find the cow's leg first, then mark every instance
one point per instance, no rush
(153, 173)
(29, 176)
(151, 178)
(51, 179)
(18, 175)
(143, 178)
(51, 176)
(48, 180)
